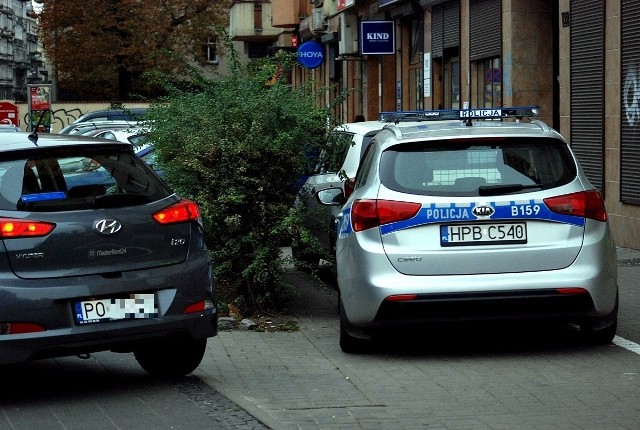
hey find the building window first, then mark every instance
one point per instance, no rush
(210, 54)
(257, 16)
(489, 78)
(258, 49)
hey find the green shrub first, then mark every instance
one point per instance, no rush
(237, 146)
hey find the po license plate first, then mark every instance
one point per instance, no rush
(135, 306)
(483, 234)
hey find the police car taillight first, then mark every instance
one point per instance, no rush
(586, 204)
(367, 214)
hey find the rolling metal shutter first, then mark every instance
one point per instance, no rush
(485, 29)
(445, 28)
(630, 103)
(587, 87)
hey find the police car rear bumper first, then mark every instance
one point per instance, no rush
(486, 306)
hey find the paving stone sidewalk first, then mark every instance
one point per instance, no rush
(302, 380)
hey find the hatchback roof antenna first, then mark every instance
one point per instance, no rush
(34, 134)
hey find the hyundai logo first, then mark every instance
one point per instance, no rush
(107, 226)
(483, 211)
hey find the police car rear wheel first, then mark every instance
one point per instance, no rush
(348, 343)
(601, 336)
(600, 331)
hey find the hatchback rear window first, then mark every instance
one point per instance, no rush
(473, 167)
(76, 179)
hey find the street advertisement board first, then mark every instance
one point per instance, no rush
(39, 97)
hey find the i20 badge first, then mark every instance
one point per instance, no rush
(483, 211)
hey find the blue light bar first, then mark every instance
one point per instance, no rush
(54, 195)
(461, 114)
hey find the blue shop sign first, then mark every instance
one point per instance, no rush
(310, 54)
(377, 38)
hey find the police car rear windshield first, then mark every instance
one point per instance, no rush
(477, 167)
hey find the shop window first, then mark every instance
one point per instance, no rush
(489, 79)
(417, 42)
(415, 65)
(452, 83)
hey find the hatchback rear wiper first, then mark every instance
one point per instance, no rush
(494, 190)
(119, 200)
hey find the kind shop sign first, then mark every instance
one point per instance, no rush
(377, 38)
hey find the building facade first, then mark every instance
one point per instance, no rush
(21, 61)
(579, 60)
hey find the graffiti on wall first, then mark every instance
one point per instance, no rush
(65, 114)
(61, 117)
(631, 95)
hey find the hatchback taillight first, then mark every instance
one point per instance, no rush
(20, 328)
(11, 228)
(366, 214)
(183, 211)
(586, 204)
(349, 186)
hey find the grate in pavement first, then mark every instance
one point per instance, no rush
(225, 413)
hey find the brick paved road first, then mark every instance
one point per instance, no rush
(470, 377)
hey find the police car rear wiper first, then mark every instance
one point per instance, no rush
(494, 190)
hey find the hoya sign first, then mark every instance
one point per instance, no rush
(310, 54)
(377, 38)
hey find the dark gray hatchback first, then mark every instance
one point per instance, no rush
(99, 254)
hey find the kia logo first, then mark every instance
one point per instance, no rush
(483, 211)
(107, 226)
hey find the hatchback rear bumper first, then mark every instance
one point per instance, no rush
(118, 336)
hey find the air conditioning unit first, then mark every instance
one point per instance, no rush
(318, 23)
(348, 33)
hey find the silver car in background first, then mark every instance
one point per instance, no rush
(346, 144)
(467, 219)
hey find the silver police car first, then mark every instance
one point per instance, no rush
(478, 217)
